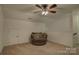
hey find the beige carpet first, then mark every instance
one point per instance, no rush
(28, 49)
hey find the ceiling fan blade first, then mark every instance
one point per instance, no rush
(52, 11)
(44, 6)
(53, 6)
(37, 10)
(38, 6)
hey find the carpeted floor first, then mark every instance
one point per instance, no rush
(28, 49)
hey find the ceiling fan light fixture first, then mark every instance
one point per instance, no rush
(44, 12)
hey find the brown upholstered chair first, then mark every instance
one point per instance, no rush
(38, 38)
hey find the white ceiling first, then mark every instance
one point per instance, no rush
(24, 11)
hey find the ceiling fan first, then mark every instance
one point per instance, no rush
(45, 8)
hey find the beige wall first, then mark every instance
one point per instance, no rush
(60, 30)
(18, 26)
(1, 29)
(18, 31)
